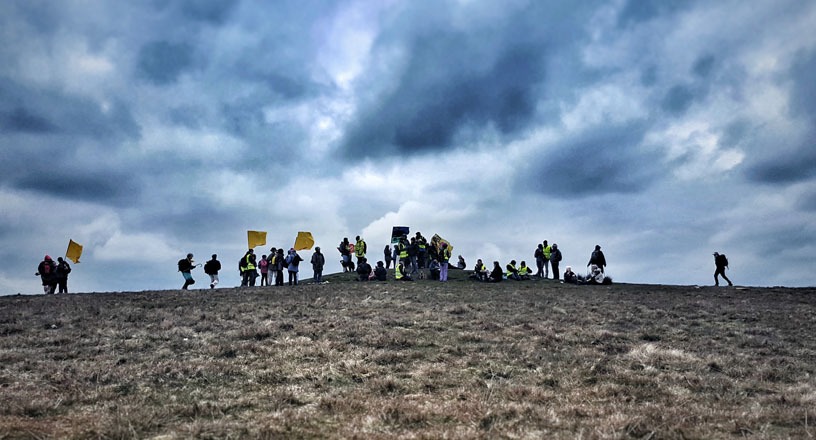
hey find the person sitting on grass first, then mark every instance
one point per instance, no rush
(512, 273)
(524, 272)
(363, 269)
(461, 263)
(436, 269)
(570, 276)
(400, 274)
(380, 271)
(479, 271)
(497, 274)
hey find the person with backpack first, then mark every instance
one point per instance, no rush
(47, 271)
(597, 258)
(360, 249)
(720, 262)
(264, 266)
(185, 266)
(247, 266)
(293, 261)
(318, 261)
(345, 254)
(555, 258)
(279, 260)
(211, 268)
(63, 269)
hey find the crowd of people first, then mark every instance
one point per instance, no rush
(414, 258)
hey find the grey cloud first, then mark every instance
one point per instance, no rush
(803, 93)
(21, 120)
(599, 162)
(61, 181)
(458, 81)
(212, 11)
(637, 11)
(703, 66)
(808, 201)
(161, 62)
(45, 111)
(678, 99)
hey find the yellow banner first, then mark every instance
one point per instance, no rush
(437, 241)
(304, 240)
(74, 251)
(256, 238)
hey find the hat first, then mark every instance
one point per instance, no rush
(47, 257)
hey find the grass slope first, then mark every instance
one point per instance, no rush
(420, 360)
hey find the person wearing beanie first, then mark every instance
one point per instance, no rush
(47, 271)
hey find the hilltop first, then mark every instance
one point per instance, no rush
(422, 359)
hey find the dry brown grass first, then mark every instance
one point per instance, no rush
(414, 360)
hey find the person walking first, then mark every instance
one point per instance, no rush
(444, 257)
(63, 269)
(185, 266)
(597, 258)
(555, 258)
(721, 263)
(360, 249)
(387, 254)
(263, 265)
(318, 260)
(279, 263)
(47, 271)
(539, 257)
(211, 268)
(546, 250)
(293, 261)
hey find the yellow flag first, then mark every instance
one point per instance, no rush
(74, 251)
(256, 238)
(440, 240)
(304, 240)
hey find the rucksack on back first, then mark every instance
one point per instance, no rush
(180, 263)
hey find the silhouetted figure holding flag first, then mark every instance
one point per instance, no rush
(63, 269)
(721, 262)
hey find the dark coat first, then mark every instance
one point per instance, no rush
(597, 258)
(47, 270)
(212, 267)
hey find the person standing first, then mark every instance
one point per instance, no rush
(185, 266)
(318, 260)
(555, 258)
(271, 264)
(387, 252)
(546, 250)
(263, 265)
(422, 243)
(345, 254)
(360, 249)
(47, 271)
(597, 258)
(293, 261)
(279, 262)
(720, 262)
(539, 257)
(413, 251)
(63, 269)
(444, 257)
(249, 272)
(211, 268)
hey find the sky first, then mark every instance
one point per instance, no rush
(661, 130)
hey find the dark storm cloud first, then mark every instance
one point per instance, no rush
(678, 99)
(638, 11)
(86, 185)
(599, 162)
(161, 62)
(21, 120)
(23, 109)
(457, 80)
(793, 160)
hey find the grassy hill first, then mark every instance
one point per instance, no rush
(423, 359)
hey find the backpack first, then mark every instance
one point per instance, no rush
(181, 263)
(722, 260)
(65, 268)
(47, 268)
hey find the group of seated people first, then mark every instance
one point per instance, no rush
(596, 275)
(480, 272)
